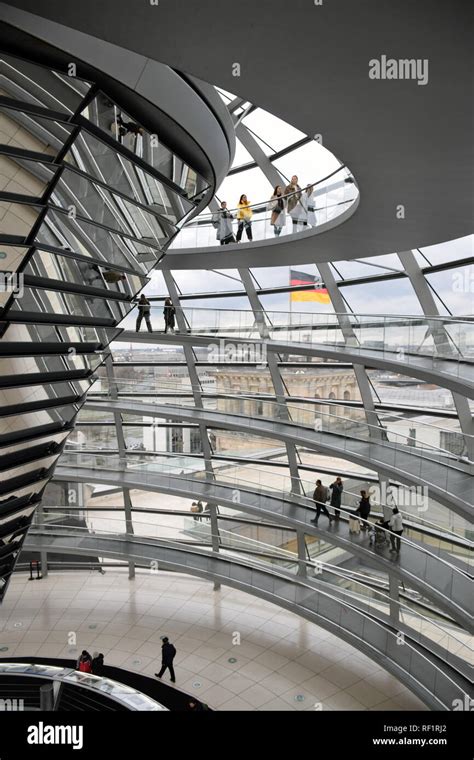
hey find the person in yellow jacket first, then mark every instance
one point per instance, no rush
(244, 218)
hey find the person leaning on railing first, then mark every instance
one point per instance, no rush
(244, 217)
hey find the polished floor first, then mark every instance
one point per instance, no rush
(233, 651)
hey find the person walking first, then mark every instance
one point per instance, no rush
(244, 218)
(396, 526)
(98, 664)
(143, 312)
(308, 202)
(222, 221)
(168, 653)
(320, 497)
(336, 496)
(277, 207)
(294, 205)
(168, 313)
(363, 510)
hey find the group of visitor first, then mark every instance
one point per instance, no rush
(198, 508)
(144, 311)
(359, 518)
(88, 664)
(299, 203)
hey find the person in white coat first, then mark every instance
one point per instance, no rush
(396, 526)
(222, 221)
(309, 204)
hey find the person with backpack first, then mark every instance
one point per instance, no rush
(168, 653)
(320, 496)
(84, 663)
(143, 312)
(168, 313)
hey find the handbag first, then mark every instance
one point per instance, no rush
(354, 525)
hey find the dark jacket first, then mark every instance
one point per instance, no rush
(167, 653)
(144, 307)
(169, 312)
(320, 494)
(336, 494)
(98, 665)
(363, 509)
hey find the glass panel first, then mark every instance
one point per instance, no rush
(29, 83)
(97, 159)
(70, 335)
(60, 230)
(276, 132)
(31, 420)
(80, 272)
(452, 250)
(310, 162)
(17, 219)
(113, 211)
(57, 303)
(242, 156)
(19, 175)
(35, 133)
(456, 288)
(11, 257)
(96, 436)
(44, 392)
(106, 115)
(383, 298)
(31, 365)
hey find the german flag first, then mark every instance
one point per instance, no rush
(317, 292)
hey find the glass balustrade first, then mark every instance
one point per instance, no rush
(395, 337)
(179, 473)
(352, 437)
(419, 434)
